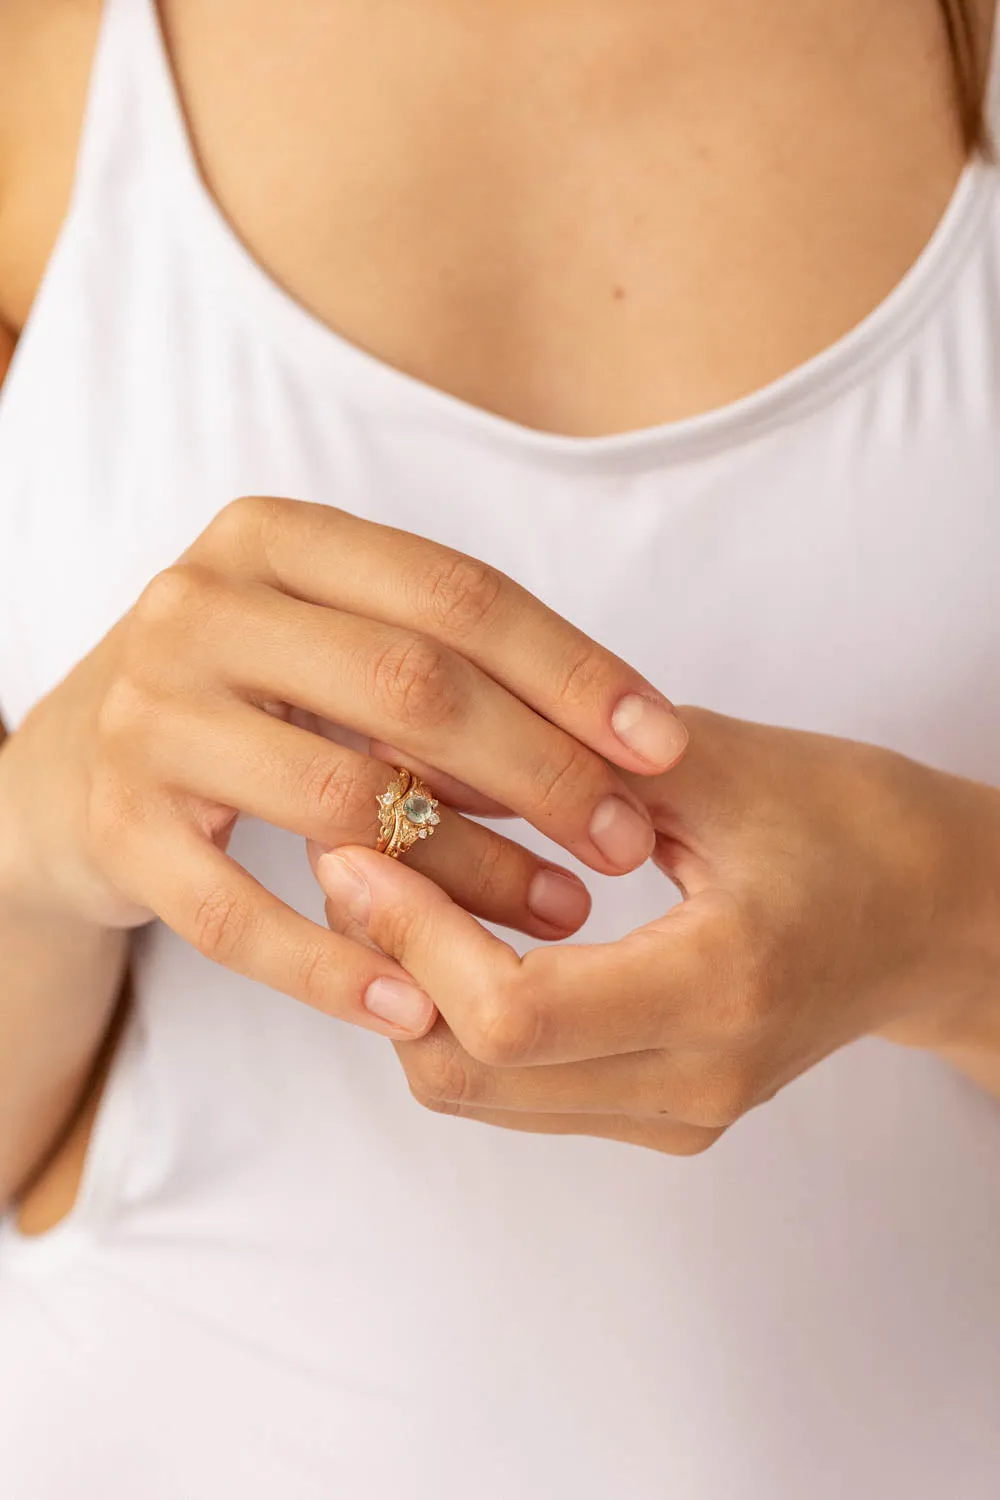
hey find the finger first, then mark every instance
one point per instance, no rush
(458, 794)
(216, 906)
(733, 785)
(733, 769)
(665, 1136)
(556, 1005)
(408, 581)
(234, 755)
(646, 1085)
(410, 690)
(361, 887)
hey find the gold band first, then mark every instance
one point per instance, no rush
(406, 812)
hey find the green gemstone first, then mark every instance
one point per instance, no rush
(418, 809)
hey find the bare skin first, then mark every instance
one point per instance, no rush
(787, 162)
(832, 891)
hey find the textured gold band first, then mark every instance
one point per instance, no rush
(406, 812)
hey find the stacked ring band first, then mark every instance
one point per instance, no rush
(406, 812)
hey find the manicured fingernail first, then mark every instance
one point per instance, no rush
(399, 1003)
(650, 729)
(622, 834)
(344, 886)
(558, 899)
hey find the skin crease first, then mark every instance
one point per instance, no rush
(788, 162)
(832, 891)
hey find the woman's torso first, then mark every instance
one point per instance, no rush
(280, 1272)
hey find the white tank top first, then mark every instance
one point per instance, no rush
(284, 1278)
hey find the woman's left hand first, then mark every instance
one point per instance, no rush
(832, 890)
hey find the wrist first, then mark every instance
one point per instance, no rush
(33, 888)
(958, 1010)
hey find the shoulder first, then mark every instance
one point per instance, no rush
(46, 50)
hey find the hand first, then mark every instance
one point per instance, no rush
(831, 890)
(122, 787)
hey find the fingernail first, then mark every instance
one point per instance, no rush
(342, 883)
(399, 1003)
(560, 900)
(622, 834)
(650, 729)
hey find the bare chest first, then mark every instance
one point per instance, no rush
(587, 217)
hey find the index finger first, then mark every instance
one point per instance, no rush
(329, 557)
(555, 1005)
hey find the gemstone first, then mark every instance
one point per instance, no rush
(387, 799)
(418, 809)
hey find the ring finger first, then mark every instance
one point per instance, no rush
(405, 688)
(236, 755)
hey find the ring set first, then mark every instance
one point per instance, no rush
(406, 812)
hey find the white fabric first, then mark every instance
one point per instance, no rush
(283, 1277)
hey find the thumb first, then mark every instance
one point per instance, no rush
(447, 952)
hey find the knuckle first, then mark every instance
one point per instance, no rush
(722, 1097)
(693, 1142)
(495, 873)
(265, 521)
(441, 1073)
(417, 681)
(244, 532)
(315, 976)
(332, 794)
(584, 676)
(173, 594)
(233, 522)
(219, 925)
(436, 1106)
(249, 516)
(565, 777)
(505, 1030)
(462, 593)
(125, 710)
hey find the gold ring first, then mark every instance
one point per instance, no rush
(406, 812)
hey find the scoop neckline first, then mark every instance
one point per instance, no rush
(811, 385)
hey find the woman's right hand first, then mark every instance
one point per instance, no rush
(125, 782)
